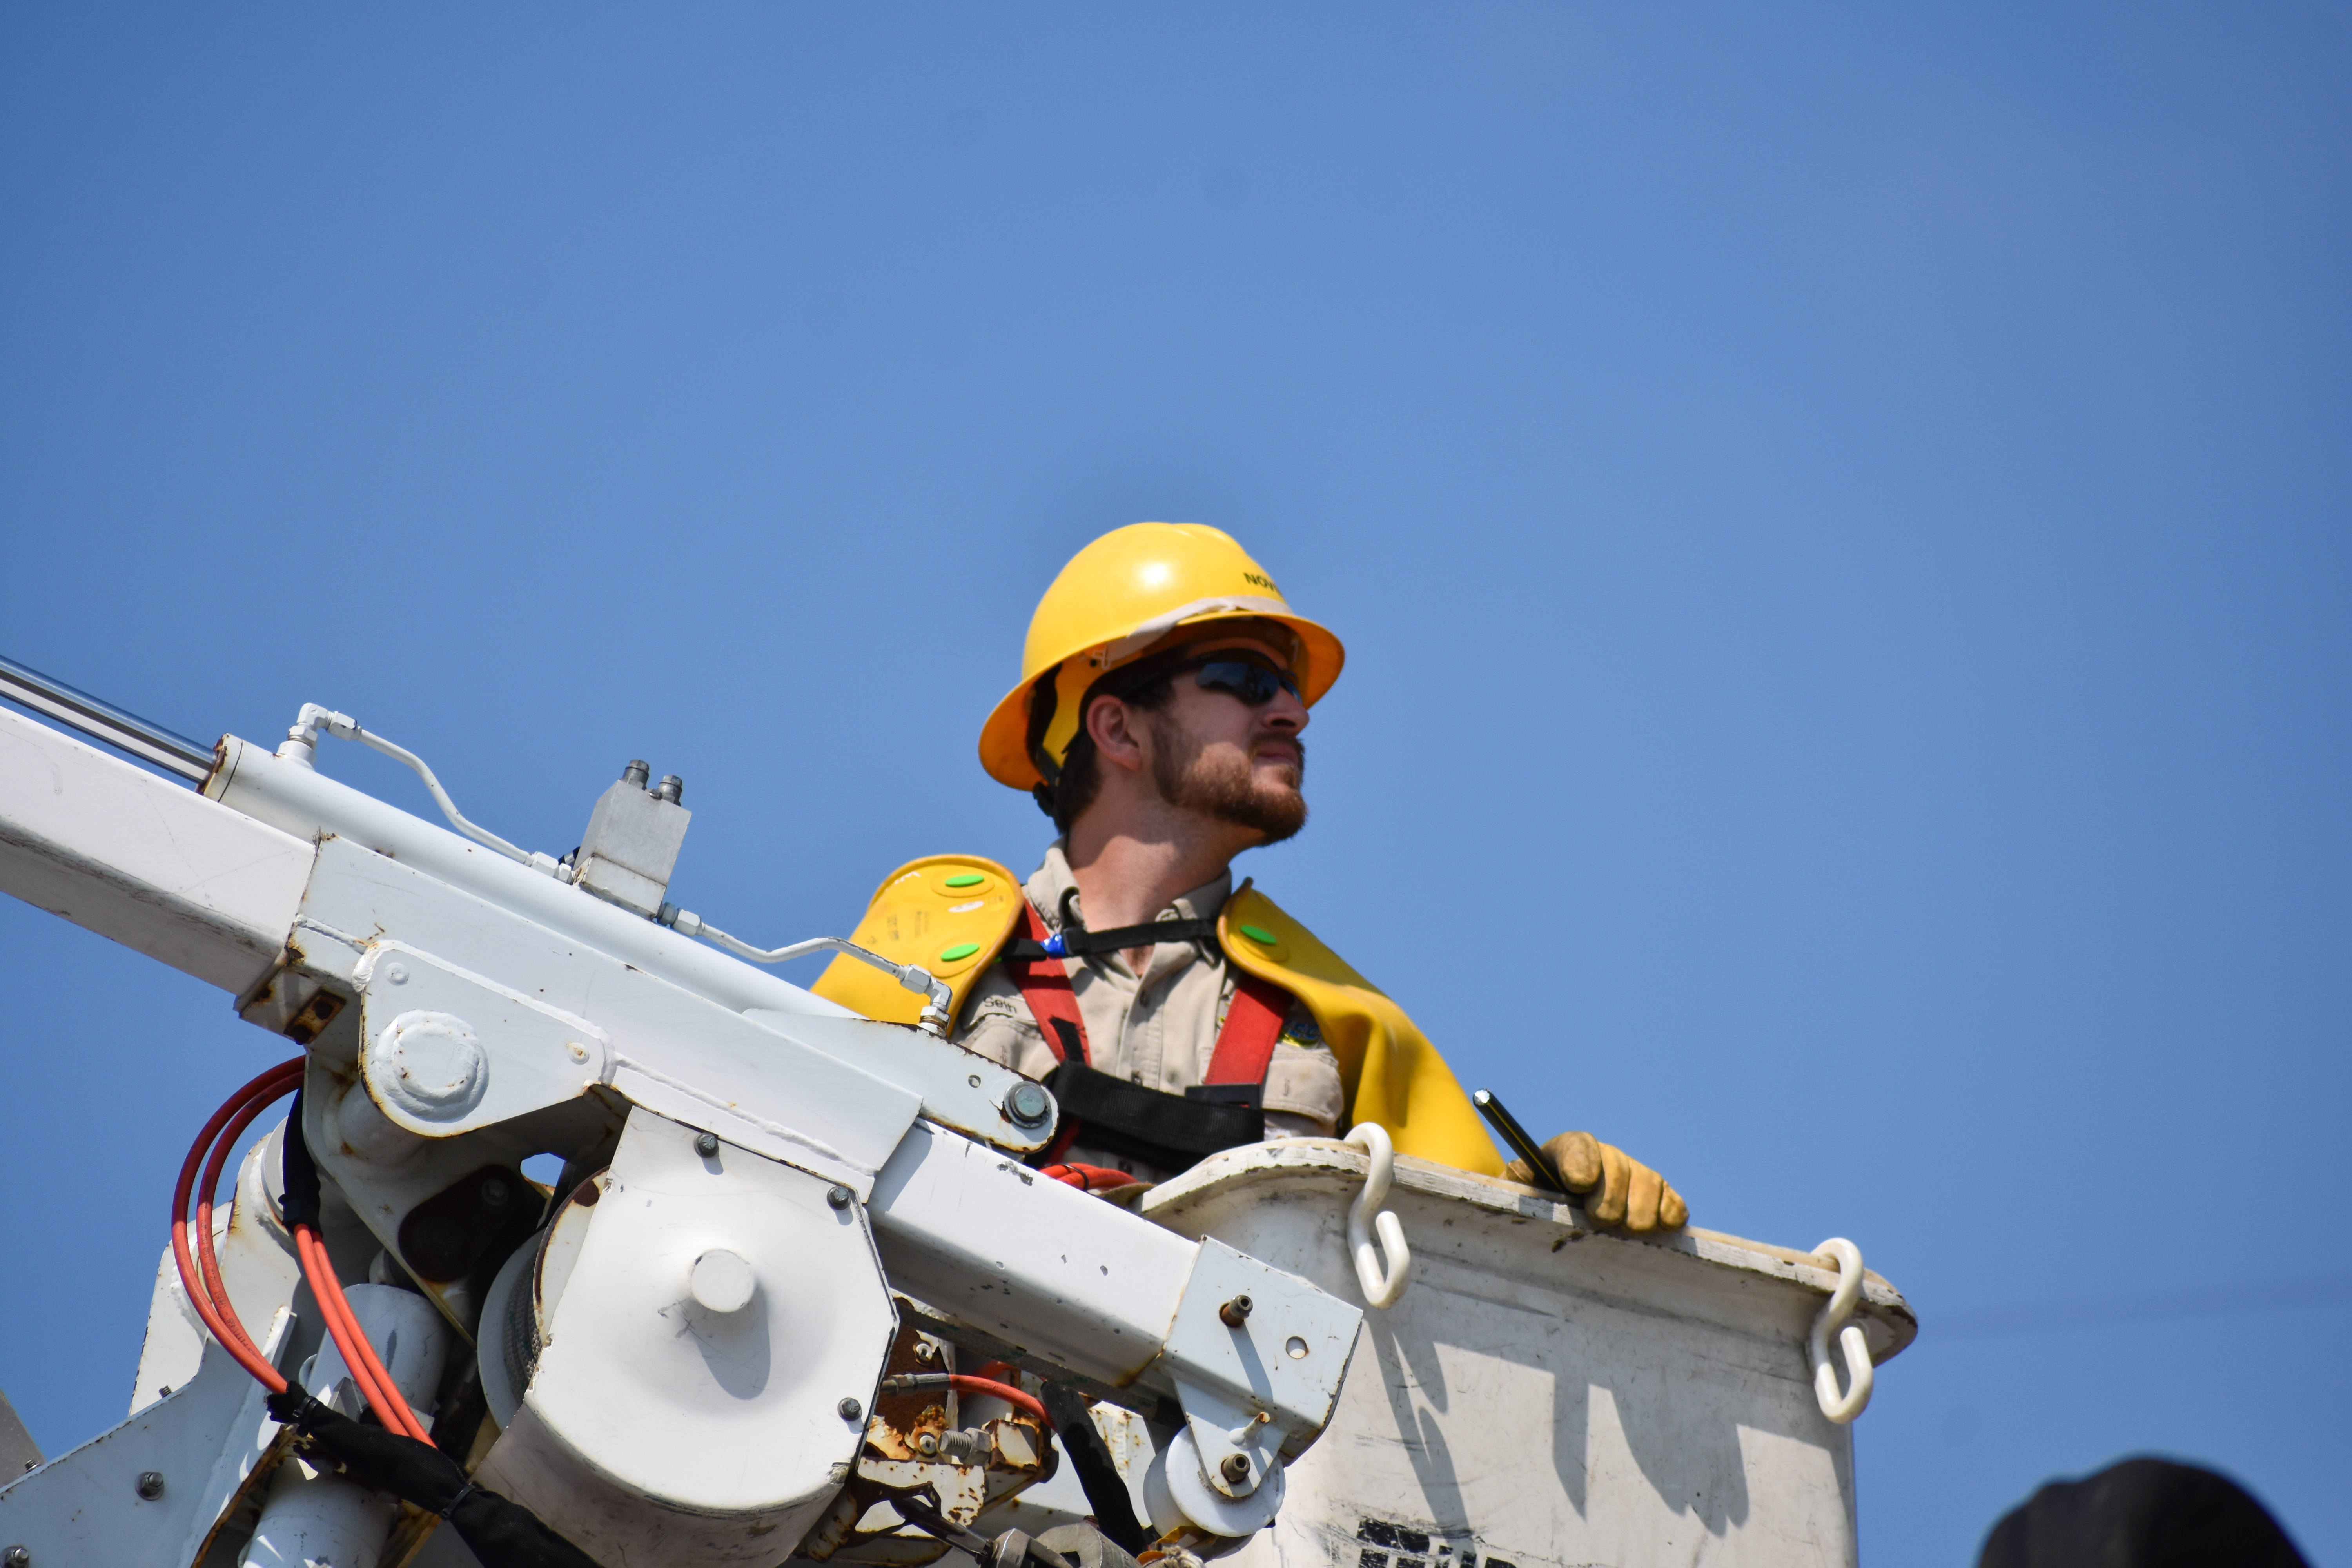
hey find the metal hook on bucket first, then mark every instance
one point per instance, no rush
(1833, 1319)
(1382, 1286)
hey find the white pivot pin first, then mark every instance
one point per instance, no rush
(1381, 1284)
(1834, 1318)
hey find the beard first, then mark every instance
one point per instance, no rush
(1225, 786)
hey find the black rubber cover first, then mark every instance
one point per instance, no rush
(297, 1172)
(1090, 1456)
(502, 1534)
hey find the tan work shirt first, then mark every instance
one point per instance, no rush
(1158, 1028)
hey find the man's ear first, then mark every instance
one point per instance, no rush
(1115, 731)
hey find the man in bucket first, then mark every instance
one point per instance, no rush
(1164, 688)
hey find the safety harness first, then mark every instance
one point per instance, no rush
(1170, 1130)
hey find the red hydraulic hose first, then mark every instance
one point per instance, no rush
(367, 1371)
(206, 1258)
(225, 1328)
(208, 1293)
(1089, 1178)
(963, 1383)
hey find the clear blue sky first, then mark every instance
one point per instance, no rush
(1838, 516)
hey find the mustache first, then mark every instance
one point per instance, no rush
(1295, 744)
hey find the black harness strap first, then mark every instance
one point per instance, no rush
(1173, 1132)
(1069, 942)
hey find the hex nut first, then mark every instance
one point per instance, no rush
(1236, 1311)
(706, 1144)
(850, 1409)
(839, 1196)
(1236, 1468)
(150, 1484)
(1028, 1104)
(927, 1444)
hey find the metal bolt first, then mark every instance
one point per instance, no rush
(1236, 1311)
(1236, 1468)
(636, 772)
(1028, 1104)
(926, 1352)
(850, 1409)
(15, 1557)
(839, 1196)
(706, 1144)
(495, 1192)
(927, 1445)
(150, 1484)
(670, 788)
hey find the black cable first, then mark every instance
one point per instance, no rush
(502, 1534)
(1106, 1494)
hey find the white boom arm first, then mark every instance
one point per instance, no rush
(462, 1010)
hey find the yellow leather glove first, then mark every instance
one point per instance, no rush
(1631, 1194)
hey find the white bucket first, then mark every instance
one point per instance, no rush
(1543, 1394)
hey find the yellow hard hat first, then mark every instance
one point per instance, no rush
(1116, 600)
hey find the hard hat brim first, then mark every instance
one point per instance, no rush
(1005, 739)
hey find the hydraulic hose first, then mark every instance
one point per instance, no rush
(208, 1292)
(1088, 1178)
(382, 1395)
(209, 1183)
(399, 1458)
(224, 1324)
(963, 1383)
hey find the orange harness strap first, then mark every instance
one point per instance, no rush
(1253, 1021)
(1046, 986)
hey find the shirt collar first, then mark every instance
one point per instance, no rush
(1052, 879)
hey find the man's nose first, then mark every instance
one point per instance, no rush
(1286, 713)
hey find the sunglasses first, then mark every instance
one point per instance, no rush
(1247, 680)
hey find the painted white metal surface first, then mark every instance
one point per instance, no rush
(552, 1019)
(1257, 1356)
(460, 1010)
(307, 803)
(657, 1431)
(312, 1517)
(86, 1507)
(1545, 1394)
(258, 1264)
(556, 1017)
(411, 1339)
(974, 1233)
(141, 860)
(316, 1519)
